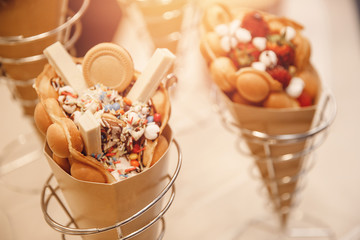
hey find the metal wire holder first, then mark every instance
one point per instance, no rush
(68, 38)
(311, 139)
(50, 192)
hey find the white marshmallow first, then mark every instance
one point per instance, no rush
(234, 25)
(233, 42)
(243, 35)
(151, 131)
(288, 32)
(259, 43)
(225, 43)
(258, 66)
(269, 58)
(296, 87)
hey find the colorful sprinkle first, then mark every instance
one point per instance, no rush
(130, 169)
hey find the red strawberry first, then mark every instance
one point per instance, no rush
(285, 54)
(305, 99)
(281, 74)
(254, 22)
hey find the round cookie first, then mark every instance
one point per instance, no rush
(109, 64)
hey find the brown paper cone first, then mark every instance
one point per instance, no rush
(28, 18)
(95, 205)
(279, 177)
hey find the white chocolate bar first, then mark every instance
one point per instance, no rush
(147, 83)
(90, 133)
(65, 67)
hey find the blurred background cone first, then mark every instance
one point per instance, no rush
(22, 19)
(279, 177)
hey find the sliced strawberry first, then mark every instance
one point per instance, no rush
(285, 53)
(280, 74)
(305, 99)
(255, 23)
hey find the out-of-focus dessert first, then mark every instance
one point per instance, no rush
(261, 63)
(259, 59)
(99, 133)
(23, 19)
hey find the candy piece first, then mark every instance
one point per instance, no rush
(65, 67)
(157, 117)
(90, 133)
(154, 72)
(152, 131)
(133, 156)
(109, 64)
(134, 163)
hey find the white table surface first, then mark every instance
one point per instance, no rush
(215, 194)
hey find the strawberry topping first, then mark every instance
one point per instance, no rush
(305, 99)
(254, 22)
(285, 53)
(280, 74)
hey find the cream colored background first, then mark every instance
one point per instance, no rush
(215, 193)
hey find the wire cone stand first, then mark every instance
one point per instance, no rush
(281, 161)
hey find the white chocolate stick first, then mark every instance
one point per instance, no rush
(90, 133)
(147, 83)
(65, 67)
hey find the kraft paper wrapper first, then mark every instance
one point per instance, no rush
(95, 205)
(28, 18)
(275, 122)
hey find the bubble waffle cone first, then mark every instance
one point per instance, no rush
(261, 63)
(105, 150)
(28, 18)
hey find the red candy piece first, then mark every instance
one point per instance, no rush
(255, 24)
(157, 117)
(305, 99)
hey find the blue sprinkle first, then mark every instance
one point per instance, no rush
(116, 106)
(150, 119)
(107, 107)
(102, 96)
